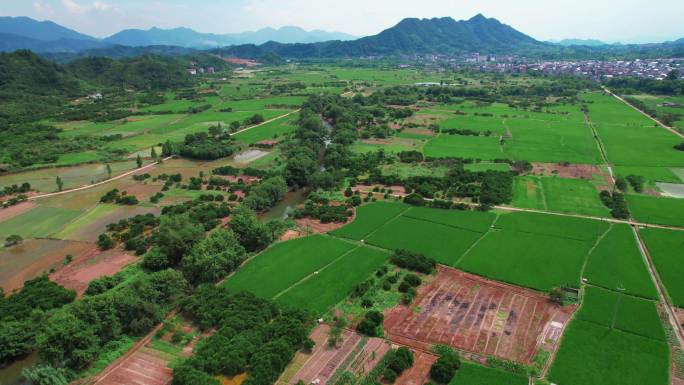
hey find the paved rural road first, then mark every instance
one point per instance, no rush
(147, 167)
(672, 130)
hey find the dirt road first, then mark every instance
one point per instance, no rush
(147, 167)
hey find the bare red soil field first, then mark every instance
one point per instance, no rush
(420, 371)
(477, 315)
(87, 267)
(355, 354)
(13, 211)
(34, 257)
(146, 366)
(571, 171)
(316, 226)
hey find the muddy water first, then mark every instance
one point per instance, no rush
(11, 374)
(286, 207)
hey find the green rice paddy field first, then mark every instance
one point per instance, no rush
(558, 194)
(666, 248)
(615, 339)
(617, 263)
(334, 283)
(659, 210)
(474, 374)
(41, 221)
(284, 264)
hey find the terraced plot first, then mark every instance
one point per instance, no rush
(324, 365)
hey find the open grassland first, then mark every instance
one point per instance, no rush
(328, 287)
(616, 263)
(369, 217)
(558, 194)
(41, 221)
(631, 139)
(666, 248)
(443, 243)
(660, 210)
(531, 260)
(284, 264)
(594, 354)
(630, 314)
(474, 374)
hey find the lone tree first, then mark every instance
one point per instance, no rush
(13, 240)
(60, 184)
(138, 161)
(153, 153)
(558, 296)
(109, 171)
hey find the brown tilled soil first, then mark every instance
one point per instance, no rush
(476, 315)
(572, 171)
(680, 314)
(146, 366)
(419, 131)
(291, 234)
(420, 371)
(321, 364)
(34, 257)
(316, 226)
(89, 266)
(15, 210)
(363, 189)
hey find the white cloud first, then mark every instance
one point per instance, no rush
(73, 7)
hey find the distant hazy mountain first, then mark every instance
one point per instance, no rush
(11, 42)
(412, 36)
(185, 37)
(585, 42)
(39, 30)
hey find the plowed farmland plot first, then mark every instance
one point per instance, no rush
(355, 354)
(146, 366)
(95, 264)
(476, 315)
(419, 373)
(35, 257)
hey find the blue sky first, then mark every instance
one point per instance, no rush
(609, 20)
